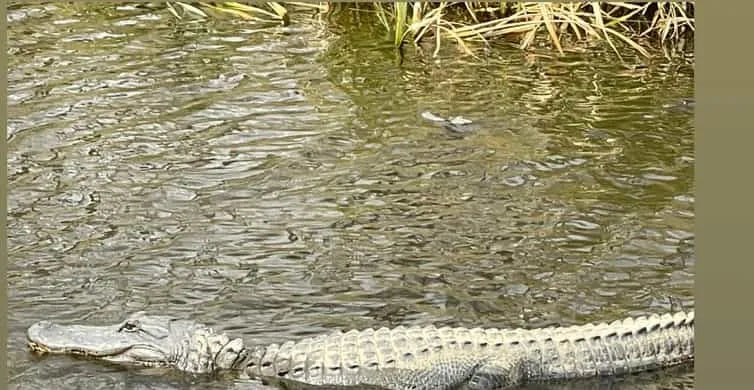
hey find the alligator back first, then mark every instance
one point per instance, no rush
(630, 345)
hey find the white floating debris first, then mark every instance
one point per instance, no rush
(432, 117)
(459, 121)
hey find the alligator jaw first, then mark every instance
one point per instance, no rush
(44, 349)
(108, 343)
(97, 341)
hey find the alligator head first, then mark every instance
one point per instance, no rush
(151, 341)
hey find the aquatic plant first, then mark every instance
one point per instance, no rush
(470, 23)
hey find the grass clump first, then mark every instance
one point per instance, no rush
(269, 11)
(641, 26)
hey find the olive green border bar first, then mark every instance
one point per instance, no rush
(724, 218)
(3, 194)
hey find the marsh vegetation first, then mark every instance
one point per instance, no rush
(648, 28)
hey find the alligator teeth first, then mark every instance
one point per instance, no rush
(38, 348)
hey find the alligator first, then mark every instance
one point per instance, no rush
(402, 358)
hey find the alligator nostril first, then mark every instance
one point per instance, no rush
(38, 333)
(41, 325)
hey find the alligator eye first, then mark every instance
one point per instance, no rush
(129, 326)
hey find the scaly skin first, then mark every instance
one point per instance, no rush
(404, 358)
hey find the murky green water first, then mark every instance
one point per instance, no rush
(278, 182)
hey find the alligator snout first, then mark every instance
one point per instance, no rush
(35, 331)
(49, 337)
(34, 336)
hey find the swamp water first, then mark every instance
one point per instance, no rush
(280, 182)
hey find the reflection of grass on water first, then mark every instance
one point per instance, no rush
(467, 23)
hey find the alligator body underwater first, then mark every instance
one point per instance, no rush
(402, 358)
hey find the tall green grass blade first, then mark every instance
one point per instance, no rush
(173, 11)
(320, 6)
(231, 11)
(401, 14)
(532, 33)
(250, 8)
(281, 12)
(192, 10)
(601, 25)
(382, 15)
(630, 42)
(547, 18)
(471, 11)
